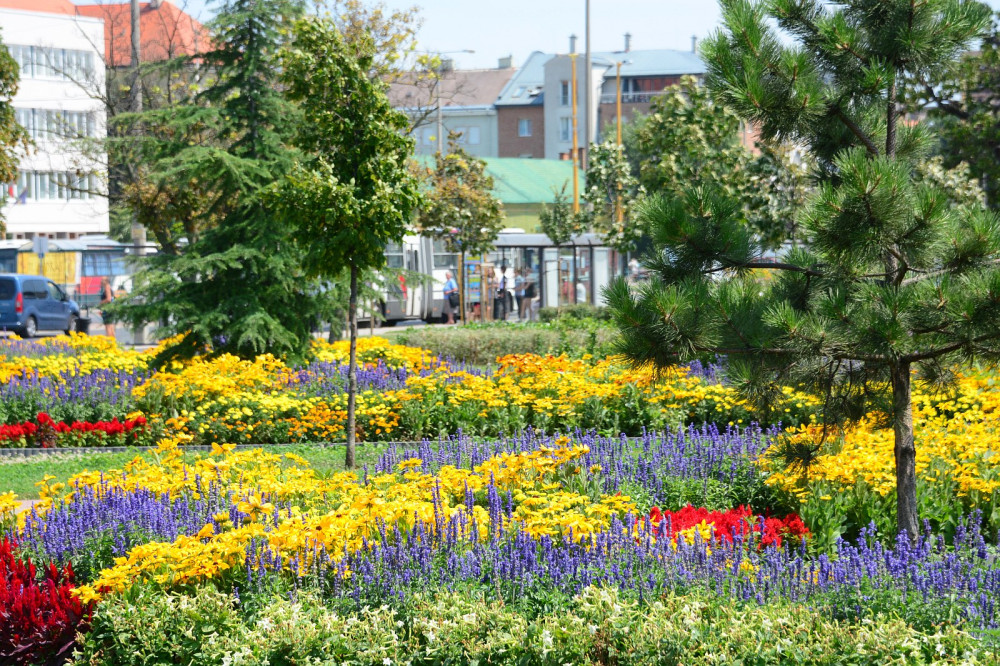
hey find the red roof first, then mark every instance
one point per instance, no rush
(50, 6)
(166, 31)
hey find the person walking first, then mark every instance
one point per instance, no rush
(451, 297)
(107, 297)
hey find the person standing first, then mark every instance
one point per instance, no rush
(451, 297)
(500, 298)
(107, 297)
(519, 291)
(530, 294)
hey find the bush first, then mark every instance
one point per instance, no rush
(600, 626)
(578, 312)
(478, 344)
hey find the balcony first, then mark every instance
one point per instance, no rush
(631, 97)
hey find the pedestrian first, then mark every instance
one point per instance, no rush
(581, 292)
(451, 297)
(530, 294)
(107, 297)
(500, 298)
(519, 282)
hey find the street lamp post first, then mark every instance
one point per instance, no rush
(573, 154)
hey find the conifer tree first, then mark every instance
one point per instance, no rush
(892, 280)
(238, 287)
(353, 193)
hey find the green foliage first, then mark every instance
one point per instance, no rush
(353, 194)
(459, 207)
(13, 138)
(611, 189)
(238, 287)
(961, 101)
(481, 344)
(689, 141)
(895, 275)
(559, 222)
(598, 626)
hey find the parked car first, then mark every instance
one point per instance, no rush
(32, 303)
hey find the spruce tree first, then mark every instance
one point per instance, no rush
(238, 287)
(892, 280)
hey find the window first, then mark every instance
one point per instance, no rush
(55, 292)
(564, 93)
(520, 91)
(566, 129)
(56, 186)
(42, 62)
(51, 124)
(524, 127)
(473, 136)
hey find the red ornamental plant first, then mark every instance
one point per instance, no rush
(45, 432)
(39, 617)
(769, 531)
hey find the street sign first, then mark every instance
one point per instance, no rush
(41, 245)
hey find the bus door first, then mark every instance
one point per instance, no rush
(414, 294)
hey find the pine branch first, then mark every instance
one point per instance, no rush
(856, 130)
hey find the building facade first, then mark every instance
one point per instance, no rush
(60, 188)
(521, 110)
(459, 101)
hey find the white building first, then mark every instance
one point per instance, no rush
(60, 185)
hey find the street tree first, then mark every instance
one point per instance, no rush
(894, 279)
(962, 101)
(459, 207)
(352, 193)
(611, 190)
(689, 140)
(237, 287)
(14, 140)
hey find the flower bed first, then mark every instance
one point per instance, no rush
(46, 433)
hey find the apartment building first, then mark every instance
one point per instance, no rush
(454, 100)
(59, 192)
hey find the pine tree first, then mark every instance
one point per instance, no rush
(893, 278)
(238, 287)
(353, 193)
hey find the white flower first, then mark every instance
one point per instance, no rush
(387, 662)
(399, 623)
(592, 628)
(265, 624)
(430, 636)
(546, 639)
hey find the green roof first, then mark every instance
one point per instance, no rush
(519, 180)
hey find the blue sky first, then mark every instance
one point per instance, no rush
(496, 28)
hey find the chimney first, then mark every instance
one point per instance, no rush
(628, 42)
(572, 43)
(447, 65)
(155, 4)
(694, 43)
(505, 62)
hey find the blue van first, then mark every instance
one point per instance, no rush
(32, 303)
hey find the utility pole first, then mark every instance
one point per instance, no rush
(135, 89)
(618, 113)
(576, 138)
(588, 82)
(440, 117)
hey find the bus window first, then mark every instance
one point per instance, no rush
(394, 255)
(443, 258)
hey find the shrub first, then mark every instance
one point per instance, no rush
(600, 626)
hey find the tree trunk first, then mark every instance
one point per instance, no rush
(352, 366)
(906, 453)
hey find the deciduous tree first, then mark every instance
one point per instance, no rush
(353, 192)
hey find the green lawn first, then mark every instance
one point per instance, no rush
(20, 474)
